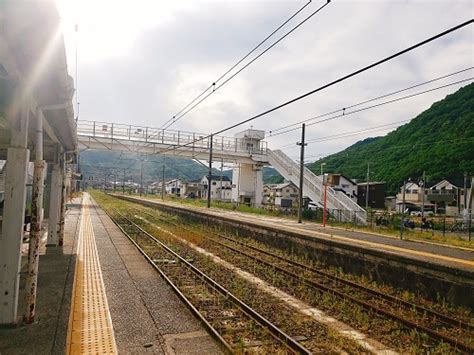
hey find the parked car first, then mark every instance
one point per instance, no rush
(312, 206)
(415, 213)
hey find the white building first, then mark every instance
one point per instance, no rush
(221, 187)
(342, 183)
(281, 195)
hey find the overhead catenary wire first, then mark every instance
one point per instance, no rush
(349, 133)
(346, 114)
(238, 62)
(325, 86)
(215, 88)
(455, 141)
(344, 109)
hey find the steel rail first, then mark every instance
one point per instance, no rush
(407, 305)
(435, 335)
(276, 332)
(213, 332)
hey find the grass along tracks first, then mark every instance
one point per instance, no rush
(439, 327)
(182, 267)
(420, 329)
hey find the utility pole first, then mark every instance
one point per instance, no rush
(141, 178)
(300, 199)
(163, 184)
(210, 174)
(123, 183)
(222, 172)
(465, 192)
(176, 184)
(403, 210)
(367, 188)
(423, 182)
(115, 180)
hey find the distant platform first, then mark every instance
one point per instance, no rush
(428, 253)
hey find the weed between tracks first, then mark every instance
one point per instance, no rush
(386, 331)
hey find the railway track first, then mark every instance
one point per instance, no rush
(439, 327)
(234, 324)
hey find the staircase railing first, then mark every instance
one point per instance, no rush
(313, 187)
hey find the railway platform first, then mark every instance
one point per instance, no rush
(427, 252)
(97, 294)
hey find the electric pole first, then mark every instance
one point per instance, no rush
(300, 197)
(367, 188)
(403, 210)
(423, 183)
(222, 171)
(209, 178)
(163, 184)
(123, 183)
(141, 178)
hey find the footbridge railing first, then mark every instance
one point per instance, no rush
(163, 137)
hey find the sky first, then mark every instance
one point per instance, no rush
(140, 62)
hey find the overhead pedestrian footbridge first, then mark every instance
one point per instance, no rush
(148, 140)
(246, 150)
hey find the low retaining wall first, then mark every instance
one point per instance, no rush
(430, 279)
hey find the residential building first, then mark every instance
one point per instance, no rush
(221, 187)
(449, 196)
(281, 195)
(344, 184)
(445, 196)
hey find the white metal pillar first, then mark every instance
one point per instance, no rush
(55, 203)
(13, 217)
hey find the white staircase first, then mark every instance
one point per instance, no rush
(343, 208)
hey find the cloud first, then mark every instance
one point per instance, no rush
(164, 64)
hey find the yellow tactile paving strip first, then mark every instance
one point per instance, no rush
(90, 326)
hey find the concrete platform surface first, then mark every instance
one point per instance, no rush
(147, 316)
(47, 335)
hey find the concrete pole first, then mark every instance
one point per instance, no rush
(222, 171)
(367, 188)
(13, 214)
(55, 202)
(403, 210)
(209, 179)
(63, 197)
(300, 194)
(141, 178)
(123, 183)
(423, 196)
(35, 231)
(163, 185)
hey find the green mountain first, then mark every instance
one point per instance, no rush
(439, 141)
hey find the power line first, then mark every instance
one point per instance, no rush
(348, 134)
(175, 119)
(379, 62)
(344, 114)
(238, 62)
(412, 146)
(370, 100)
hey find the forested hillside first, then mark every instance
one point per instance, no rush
(440, 141)
(103, 164)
